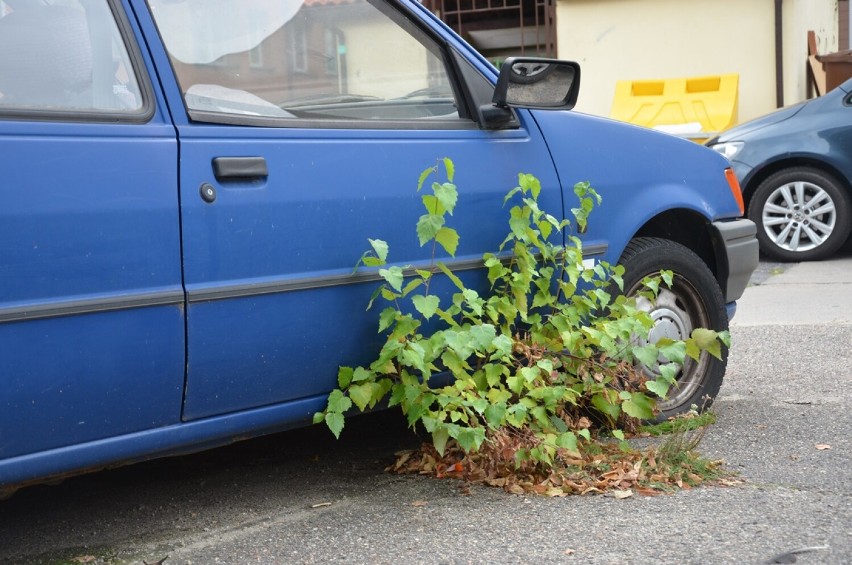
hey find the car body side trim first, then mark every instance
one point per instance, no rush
(90, 305)
(306, 283)
(176, 297)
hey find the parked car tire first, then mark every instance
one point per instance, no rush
(802, 214)
(694, 301)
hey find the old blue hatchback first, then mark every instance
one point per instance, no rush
(187, 184)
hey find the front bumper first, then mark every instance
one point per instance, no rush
(735, 243)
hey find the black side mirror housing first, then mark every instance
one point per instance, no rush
(542, 84)
(531, 82)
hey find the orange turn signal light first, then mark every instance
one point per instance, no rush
(735, 188)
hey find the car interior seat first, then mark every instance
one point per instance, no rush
(45, 57)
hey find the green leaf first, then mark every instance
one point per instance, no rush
(380, 247)
(647, 355)
(529, 373)
(428, 226)
(423, 176)
(529, 183)
(344, 376)
(318, 417)
(447, 195)
(459, 341)
(448, 238)
(361, 395)
(672, 350)
(706, 341)
(515, 384)
(471, 438)
(482, 336)
(334, 421)
(362, 374)
(455, 280)
(605, 406)
(432, 204)
(692, 349)
(394, 277)
(426, 305)
(453, 362)
(479, 404)
(669, 372)
(567, 441)
(413, 356)
(519, 222)
(369, 261)
(440, 435)
(337, 402)
(659, 387)
(502, 346)
(387, 318)
(450, 168)
(495, 415)
(411, 286)
(639, 406)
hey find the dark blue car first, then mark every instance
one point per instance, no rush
(795, 170)
(186, 185)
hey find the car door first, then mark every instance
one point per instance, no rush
(91, 321)
(303, 129)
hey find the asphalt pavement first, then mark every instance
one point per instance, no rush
(784, 425)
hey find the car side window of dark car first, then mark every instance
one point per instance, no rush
(293, 63)
(66, 59)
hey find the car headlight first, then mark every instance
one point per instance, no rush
(728, 149)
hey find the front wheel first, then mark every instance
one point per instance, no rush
(802, 214)
(694, 301)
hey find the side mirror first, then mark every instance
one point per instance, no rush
(543, 84)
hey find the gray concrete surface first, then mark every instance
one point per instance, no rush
(301, 497)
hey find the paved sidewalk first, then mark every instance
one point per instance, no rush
(805, 293)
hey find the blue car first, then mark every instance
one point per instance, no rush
(795, 169)
(186, 186)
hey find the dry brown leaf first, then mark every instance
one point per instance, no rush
(620, 494)
(516, 489)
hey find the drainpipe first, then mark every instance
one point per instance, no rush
(779, 53)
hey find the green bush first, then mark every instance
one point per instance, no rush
(540, 365)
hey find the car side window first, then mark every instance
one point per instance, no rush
(294, 60)
(64, 56)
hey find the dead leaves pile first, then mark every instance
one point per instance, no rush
(610, 470)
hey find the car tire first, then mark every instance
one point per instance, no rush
(694, 301)
(783, 208)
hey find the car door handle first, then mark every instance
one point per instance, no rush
(232, 168)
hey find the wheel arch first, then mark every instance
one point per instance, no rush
(757, 176)
(695, 232)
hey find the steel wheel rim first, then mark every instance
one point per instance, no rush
(676, 312)
(799, 216)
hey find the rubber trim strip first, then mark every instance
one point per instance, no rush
(176, 297)
(307, 283)
(90, 306)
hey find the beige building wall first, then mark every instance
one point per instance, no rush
(658, 39)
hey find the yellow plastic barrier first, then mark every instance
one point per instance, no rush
(696, 108)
